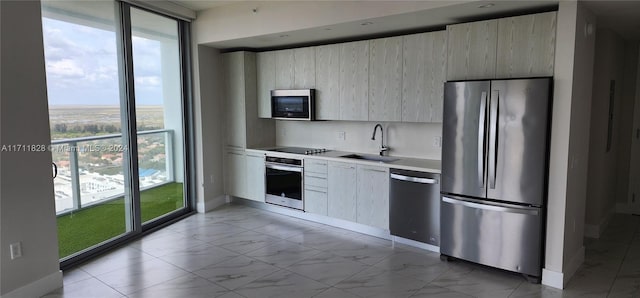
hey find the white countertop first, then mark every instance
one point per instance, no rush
(404, 163)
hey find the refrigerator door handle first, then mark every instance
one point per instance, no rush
(481, 137)
(492, 207)
(493, 137)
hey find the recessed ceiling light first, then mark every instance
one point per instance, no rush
(284, 35)
(367, 23)
(488, 5)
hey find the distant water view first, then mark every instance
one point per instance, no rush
(100, 162)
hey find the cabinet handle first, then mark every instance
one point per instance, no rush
(234, 153)
(313, 190)
(374, 170)
(344, 167)
(312, 176)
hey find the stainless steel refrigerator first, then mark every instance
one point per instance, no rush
(494, 169)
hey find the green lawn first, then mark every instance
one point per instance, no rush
(88, 227)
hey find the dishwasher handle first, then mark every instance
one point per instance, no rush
(413, 179)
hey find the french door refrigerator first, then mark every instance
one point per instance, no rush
(494, 169)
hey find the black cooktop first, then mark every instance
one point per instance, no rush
(299, 150)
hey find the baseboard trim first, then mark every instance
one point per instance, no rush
(595, 231)
(552, 278)
(322, 219)
(573, 265)
(37, 288)
(211, 204)
(626, 208)
(559, 280)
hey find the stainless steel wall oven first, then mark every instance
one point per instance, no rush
(284, 182)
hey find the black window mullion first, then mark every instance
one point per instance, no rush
(128, 115)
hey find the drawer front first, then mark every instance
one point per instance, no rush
(509, 238)
(315, 200)
(315, 166)
(313, 179)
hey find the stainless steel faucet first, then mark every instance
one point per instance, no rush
(383, 148)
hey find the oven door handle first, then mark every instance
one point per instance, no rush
(283, 168)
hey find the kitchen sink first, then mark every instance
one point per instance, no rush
(371, 157)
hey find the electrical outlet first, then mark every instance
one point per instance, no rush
(342, 136)
(16, 250)
(437, 142)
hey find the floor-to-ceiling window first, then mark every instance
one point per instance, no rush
(116, 89)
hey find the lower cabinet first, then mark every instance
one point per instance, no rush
(315, 200)
(342, 196)
(373, 196)
(235, 174)
(255, 177)
(315, 186)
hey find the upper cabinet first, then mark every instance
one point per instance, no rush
(522, 46)
(354, 80)
(526, 45)
(472, 50)
(285, 63)
(401, 79)
(385, 79)
(243, 127)
(266, 68)
(235, 91)
(423, 76)
(328, 82)
(304, 70)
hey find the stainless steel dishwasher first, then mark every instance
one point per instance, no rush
(415, 206)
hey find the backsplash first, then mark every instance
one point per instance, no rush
(403, 139)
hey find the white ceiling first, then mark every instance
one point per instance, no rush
(621, 16)
(202, 4)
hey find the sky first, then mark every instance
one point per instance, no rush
(82, 66)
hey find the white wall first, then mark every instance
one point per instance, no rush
(569, 149)
(209, 126)
(626, 133)
(603, 173)
(403, 139)
(27, 205)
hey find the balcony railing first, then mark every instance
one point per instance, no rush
(90, 169)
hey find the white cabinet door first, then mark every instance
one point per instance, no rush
(234, 99)
(342, 191)
(424, 73)
(235, 174)
(526, 45)
(284, 69)
(266, 76)
(255, 177)
(328, 82)
(315, 200)
(373, 196)
(354, 80)
(304, 73)
(385, 79)
(471, 53)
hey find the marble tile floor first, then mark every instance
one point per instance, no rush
(239, 251)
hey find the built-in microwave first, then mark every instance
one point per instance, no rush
(293, 104)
